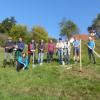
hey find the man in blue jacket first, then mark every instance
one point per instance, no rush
(91, 46)
(20, 47)
(76, 45)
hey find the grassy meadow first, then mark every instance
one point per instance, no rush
(52, 81)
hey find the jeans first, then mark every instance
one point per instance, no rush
(60, 55)
(66, 56)
(76, 51)
(40, 57)
(49, 56)
(19, 66)
(91, 55)
(33, 57)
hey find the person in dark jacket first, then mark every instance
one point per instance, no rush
(41, 48)
(20, 47)
(9, 45)
(31, 50)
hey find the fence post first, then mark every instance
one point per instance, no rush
(80, 56)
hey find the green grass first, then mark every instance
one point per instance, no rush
(52, 81)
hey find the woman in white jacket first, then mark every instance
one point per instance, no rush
(60, 47)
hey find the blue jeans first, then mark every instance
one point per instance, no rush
(60, 55)
(40, 57)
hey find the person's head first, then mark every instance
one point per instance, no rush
(42, 41)
(75, 38)
(20, 39)
(66, 40)
(51, 41)
(9, 39)
(33, 40)
(60, 39)
(23, 54)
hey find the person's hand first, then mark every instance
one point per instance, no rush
(24, 65)
(93, 49)
(32, 50)
(7, 47)
(16, 46)
(41, 49)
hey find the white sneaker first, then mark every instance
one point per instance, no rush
(63, 63)
(23, 68)
(41, 63)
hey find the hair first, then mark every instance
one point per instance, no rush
(50, 40)
(24, 53)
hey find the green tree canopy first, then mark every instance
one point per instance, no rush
(7, 24)
(18, 31)
(68, 28)
(96, 24)
(39, 33)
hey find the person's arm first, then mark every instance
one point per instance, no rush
(20, 60)
(26, 62)
(23, 46)
(57, 46)
(34, 46)
(48, 47)
(5, 44)
(78, 43)
(94, 45)
(53, 47)
(43, 47)
(74, 44)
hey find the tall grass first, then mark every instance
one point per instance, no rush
(52, 81)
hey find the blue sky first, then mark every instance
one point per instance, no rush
(48, 13)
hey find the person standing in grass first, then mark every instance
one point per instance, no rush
(60, 47)
(51, 48)
(91, 46)
(67, 48)
(76, 45)
(22, 62)
(20, 47)
(31, 51)
(41, 49)
(9, 46)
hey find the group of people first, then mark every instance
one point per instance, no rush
(61, 48)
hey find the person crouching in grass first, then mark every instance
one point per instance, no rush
(22, 62)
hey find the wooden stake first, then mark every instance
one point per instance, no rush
(80, 57)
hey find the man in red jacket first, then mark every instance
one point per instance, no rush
(51, 48)
(31, 51)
